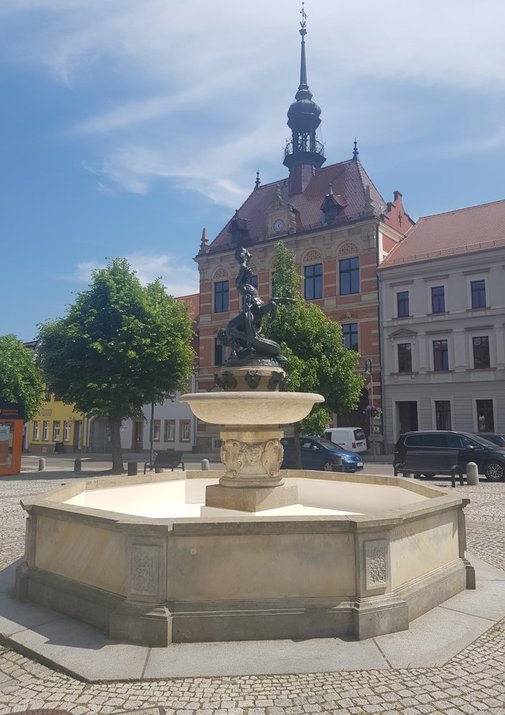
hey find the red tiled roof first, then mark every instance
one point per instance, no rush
(348, 180)
(193, 303)
(467, 230)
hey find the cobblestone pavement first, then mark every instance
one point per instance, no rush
(471, 682)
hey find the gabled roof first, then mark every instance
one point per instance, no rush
(349, 181)
(476, 228)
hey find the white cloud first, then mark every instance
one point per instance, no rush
(200, 89)
(178, 280)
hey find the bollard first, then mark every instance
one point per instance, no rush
(472, 474)
(77, 465)
(42, 464)
(205, 464)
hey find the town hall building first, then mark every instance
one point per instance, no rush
(335, 221)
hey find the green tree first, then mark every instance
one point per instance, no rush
(119, 347)
(316, 358)
(20, 378)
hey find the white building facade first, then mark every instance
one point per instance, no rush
(442, 298)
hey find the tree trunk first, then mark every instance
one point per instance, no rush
(115, 445)
(298, 449)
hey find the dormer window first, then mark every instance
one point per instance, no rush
(332, 206)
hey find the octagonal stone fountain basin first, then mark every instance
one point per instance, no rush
(143, 558)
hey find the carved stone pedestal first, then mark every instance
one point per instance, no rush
(252, 456)
(252, 482)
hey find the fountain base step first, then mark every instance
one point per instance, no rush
(251, 499)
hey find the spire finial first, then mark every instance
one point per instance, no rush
(355, 150)
(204, 242)
(303, 62)
(257, 183)
(303, 21)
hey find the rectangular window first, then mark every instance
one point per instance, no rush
(169, 431)
(45, 431)
(349, 275)
(438, 299)
(56, 431)
(185, 430)
(481, 352)
(402, 304)
(66, 431)
(485, 417)
(221, 296)
(443, 414)
(313, 281)
(219, 356)
(156, 430)
(36, 431)
(404, 357)
(440, 355)
(350, 335)
(478, 293)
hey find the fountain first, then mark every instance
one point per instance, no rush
(253, 552)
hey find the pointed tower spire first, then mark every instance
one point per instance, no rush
(355, 150)
(204, 242)
(303, 154)
(257, 183)
(303, 61)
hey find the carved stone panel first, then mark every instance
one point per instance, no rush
(376, 563)
(257, 458)
(146, 571)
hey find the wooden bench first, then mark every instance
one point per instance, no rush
(169, 459)
(418, 462)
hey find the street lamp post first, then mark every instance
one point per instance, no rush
(151, 437)
(369, 371)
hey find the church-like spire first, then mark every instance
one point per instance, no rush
(303, 154)
(355, 151)
(303, 61)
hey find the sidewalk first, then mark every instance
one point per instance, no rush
(86, 654)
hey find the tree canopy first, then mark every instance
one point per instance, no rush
(317, 360)
(20, 378)
(119, 347)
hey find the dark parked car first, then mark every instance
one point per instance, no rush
(319, 453)
(490, 458)
(493, 437)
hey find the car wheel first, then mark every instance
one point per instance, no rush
(327, 466)
(494, 471)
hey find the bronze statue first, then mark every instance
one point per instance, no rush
(243, 332)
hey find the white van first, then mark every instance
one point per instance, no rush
(351, 438)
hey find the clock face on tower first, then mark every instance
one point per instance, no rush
(278, 225)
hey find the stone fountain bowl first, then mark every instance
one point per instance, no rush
(143, 559)
(245, 408)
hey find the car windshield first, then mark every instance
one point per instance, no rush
(326, 443)
(480, 440)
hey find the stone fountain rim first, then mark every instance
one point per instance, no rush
(439, 500)
(249, 395)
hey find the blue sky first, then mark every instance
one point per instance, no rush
(127, 126)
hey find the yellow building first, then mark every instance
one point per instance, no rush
(57, 427)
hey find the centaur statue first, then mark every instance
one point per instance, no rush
(243, 333)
